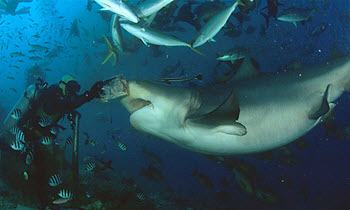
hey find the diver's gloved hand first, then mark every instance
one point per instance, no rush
(95, 91)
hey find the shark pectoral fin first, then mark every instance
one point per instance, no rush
(217, 125)
(324, 108)
(235, 128)
(212, 40)
(223, 119)
(295, 24)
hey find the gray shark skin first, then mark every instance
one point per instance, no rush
(247, 116)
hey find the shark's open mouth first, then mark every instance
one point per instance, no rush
(138, 104)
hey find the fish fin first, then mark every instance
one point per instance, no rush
(110, 52)
(223, 118)
(212, 40)
(266, 19)
(316, 9)
(196, 50)
(247, 70)
(336, 53)
(239, 2)
(295, 24)
(323, 108)
(144, 41)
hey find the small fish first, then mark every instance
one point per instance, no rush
(29, 157)
(181, 79)
(122, 145)
(14, 90)
(20, 136)
(92, 142)
(104, 148)
(69, 142)
(9, 77)
(17, 145)
(14, 130)
(46, 140)
(16, 114)
(66, 194)
(44, 121)
(140, 196)
(61, 201)
(35, 58)
(16, 54)
(25, 176)
(54, 130)
(55, 180)
(90, 166)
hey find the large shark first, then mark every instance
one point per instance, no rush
(246, 116)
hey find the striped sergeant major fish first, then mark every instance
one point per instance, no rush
(55, 180)
(17, 145)
(46, 140)
(122, 145)
(16, 114)
(66, 194)
(90, 166)
(20, 136)
(45, 121)
(14, 130)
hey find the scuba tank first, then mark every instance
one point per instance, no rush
(23, 104)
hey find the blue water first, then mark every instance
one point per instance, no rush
(325, 165)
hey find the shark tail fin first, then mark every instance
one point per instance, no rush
(316, 9)
(110, 52)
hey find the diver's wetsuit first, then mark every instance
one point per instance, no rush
(53, 101)
(49, 159)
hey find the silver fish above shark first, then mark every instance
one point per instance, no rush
(120, 8)
(148, 35)
(214, 25)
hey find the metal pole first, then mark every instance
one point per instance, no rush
(75, 156)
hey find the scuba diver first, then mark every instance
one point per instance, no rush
(36, 129)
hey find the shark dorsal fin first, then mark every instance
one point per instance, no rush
(336, 53)
(248, 69)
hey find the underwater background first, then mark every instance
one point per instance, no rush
(52, 38)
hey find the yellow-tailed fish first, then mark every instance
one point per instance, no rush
(111, 52)
(214, 25)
